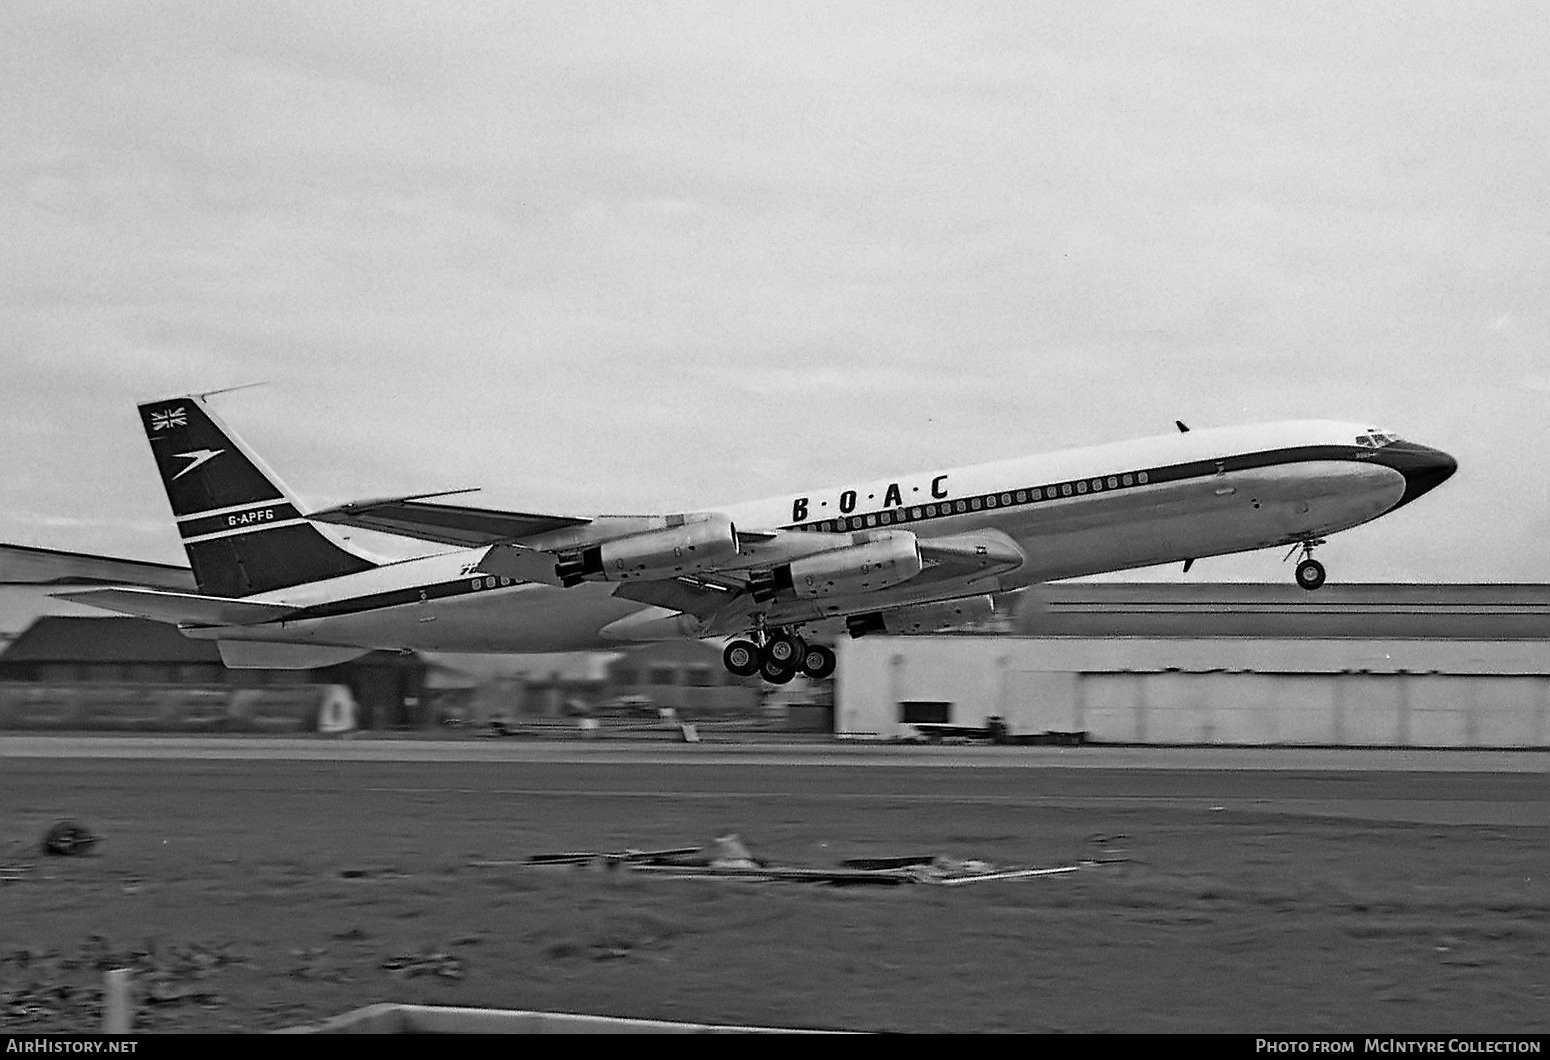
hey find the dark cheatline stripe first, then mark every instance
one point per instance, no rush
(410, 595)
(1071, 489)
(253, 517)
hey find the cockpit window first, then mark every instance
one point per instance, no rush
(1376, 440)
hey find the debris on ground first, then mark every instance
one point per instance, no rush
(15, 866)
(732, 854)
(66, 838)
(408, 965)
(728, 858)
(373, 873)
(592, 857)
(1107, 849)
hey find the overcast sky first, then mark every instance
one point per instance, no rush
(650, 257)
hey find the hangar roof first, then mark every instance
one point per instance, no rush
(57, 638)
(1226, 609)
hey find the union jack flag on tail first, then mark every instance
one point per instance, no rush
(169, 418)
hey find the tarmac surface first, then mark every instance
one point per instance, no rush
(391, 748)
(1421, 786)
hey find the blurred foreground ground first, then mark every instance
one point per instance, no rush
(258, 894)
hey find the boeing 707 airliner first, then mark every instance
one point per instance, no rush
(281, 587)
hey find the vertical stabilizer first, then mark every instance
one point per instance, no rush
(240, 527)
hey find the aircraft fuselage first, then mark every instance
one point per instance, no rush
(1077, 512)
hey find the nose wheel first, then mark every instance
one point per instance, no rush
(1310, 572)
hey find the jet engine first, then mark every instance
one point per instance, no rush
(885, 558)
(699, 542)
(922, 618)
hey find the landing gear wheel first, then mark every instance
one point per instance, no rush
(818, 662)
(776, 674)
(1310, 574)
(741, 657)
(783, 650)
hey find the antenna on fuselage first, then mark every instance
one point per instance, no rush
(1180, 425)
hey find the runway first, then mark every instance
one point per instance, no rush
(1442, 787)
(387, 749)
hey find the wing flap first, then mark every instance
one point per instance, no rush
(445, 524)
(693, 596)
(189, 608)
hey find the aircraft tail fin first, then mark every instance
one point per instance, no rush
(240, 526)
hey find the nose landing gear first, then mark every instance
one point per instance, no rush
(1310, 572)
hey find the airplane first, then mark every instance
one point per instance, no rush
(282, 588)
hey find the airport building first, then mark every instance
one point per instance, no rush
(130, 673)
(1183, 663)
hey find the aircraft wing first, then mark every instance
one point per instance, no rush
(445, 524)
(186, 608)
(720, 596)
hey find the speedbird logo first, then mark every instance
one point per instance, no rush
(197, 457)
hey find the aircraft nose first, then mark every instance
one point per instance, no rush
(1424, 468)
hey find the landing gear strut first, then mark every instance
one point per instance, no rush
(777, 656)
(1310, 572)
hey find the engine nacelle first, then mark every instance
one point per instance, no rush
(922, 618)
(887, 558)
(699, 542)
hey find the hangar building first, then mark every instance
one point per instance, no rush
(1180, 663)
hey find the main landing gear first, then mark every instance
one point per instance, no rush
(1310, 572)
(778, 656)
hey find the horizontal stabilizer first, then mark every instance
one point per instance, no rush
(190, 608)
(21, 564)
(268, 655)
(446, 524)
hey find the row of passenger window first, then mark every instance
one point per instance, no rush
(975, 504)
